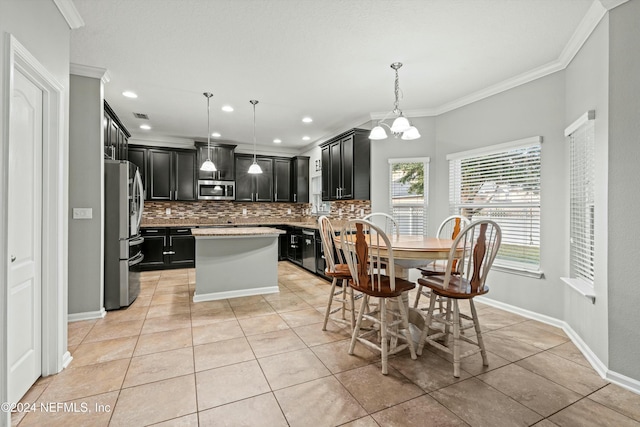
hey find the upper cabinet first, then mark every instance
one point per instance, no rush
(222, 155)
(167, 174)
(300, 179)
(254, 187)
(281, 180)
(346, 166)
(116, 136)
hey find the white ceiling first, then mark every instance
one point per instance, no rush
(325, 59)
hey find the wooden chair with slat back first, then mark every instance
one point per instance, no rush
(363, 243)
(338, 270)
(388, 224)
(449, 229)
(480, 241)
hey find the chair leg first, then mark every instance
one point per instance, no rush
(347, 288)
(476, 324)
(427, 322)
(384, 345)
(415, 303)
(326, 314)
(404, 312)
(356, 329)
(456, 339)
(447, 328)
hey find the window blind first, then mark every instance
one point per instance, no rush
(408, 195)
(581, 199)
(502, 183)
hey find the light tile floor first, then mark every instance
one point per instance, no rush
(264, 361)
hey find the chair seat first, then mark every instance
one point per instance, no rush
(436, 268)
(459, 288)
(341, 272)
(385, 287)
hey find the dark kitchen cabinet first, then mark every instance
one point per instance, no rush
(254, 187)
(167, 247)
(116, 136)
(138, 156)
(346, 166)
(171, 174)
(222, 155)
(282, 180)
(300, 179)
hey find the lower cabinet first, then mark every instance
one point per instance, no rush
(168, 247)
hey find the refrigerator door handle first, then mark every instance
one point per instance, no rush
(136, 241)
(136, 259)
(138, 182)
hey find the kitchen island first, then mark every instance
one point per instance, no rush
(235, 262)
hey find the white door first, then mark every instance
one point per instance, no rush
(25, 237)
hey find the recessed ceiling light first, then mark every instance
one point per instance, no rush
(129, 94)
(307, 119)
(145, 127)
(216, 135)
(305, 138)
(277, 141)
(227, 108)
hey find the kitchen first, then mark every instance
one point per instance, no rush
(587, 78)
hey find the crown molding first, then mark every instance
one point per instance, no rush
(610, 4)
(89, 71)
(588, 24)
(70, 13)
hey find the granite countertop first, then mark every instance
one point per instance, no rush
(234, 222)
(236, 231)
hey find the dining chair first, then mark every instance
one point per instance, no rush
(363, 243)
(390, 225)
(338, 270)
(448, 229)
(479, 243)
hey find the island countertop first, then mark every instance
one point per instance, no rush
(236, 231)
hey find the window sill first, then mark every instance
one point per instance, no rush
(519, 271)
(582, 287)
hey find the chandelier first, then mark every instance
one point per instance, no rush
(400, 126)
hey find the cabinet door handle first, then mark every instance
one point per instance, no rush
(276, 195)
(168, 253)
(295, 197)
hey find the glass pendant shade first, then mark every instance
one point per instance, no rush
(255, 168)
(411, 133)
(400, 124)
(208, 166)
(378, 133)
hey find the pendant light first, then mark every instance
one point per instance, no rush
(255, 167)
(400, 125)
(208, 165)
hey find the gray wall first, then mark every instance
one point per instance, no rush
(85, 183)
(624, 182)
(587, 89)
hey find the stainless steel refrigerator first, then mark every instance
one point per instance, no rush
(123, 207)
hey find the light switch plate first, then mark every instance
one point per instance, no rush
(82, 213)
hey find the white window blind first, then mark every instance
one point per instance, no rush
(408, 195)
(581, 210)
(502, 183)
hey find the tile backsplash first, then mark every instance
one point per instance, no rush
(223, 211)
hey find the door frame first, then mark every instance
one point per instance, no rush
(55, 355)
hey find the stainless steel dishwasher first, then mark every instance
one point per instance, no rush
(309, 250)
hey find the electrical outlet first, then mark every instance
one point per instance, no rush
(361, 212)
(353, 208)
(167, 211)
(288, 211)
(82, 213)
(244, 212)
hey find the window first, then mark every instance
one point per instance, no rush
(581, 136)
(408, 195)
(502, 183)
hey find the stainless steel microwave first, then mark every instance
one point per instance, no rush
(216, 190)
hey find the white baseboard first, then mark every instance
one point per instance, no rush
(88, 315)
(628, 383)
(213, 296)
(66, 359)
